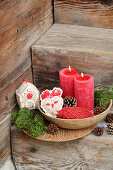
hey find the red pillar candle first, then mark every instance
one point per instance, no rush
(84, 91)
(67, 76)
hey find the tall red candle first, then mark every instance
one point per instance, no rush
(67, 76)
(84, 91)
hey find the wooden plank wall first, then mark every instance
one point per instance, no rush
(22, 22)
(96, 13)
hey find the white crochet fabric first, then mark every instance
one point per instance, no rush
(51, 101)
(27, 96)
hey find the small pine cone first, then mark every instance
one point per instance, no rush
(98, 110)
(110, 129)
(52, 129)
(69, 102)
(98, 131)
(109, 118)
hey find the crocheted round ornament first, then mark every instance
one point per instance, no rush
(74, 113)
(51, 101)
(27, 95)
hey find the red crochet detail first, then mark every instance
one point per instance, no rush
(74, 113)
(26, 80)
(48, 94)
(29, 95)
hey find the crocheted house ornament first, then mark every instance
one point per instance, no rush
(27, 95)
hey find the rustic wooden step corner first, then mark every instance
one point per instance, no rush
(87, 49)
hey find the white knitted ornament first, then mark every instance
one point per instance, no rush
(27, 95)
(51, 101)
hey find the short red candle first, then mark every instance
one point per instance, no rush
(67, 81)
(84, 91)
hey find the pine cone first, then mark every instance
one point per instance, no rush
(98, 131)
(109, 118)
(110, 129)
(52, 129)
(69, 102)
(98, 110)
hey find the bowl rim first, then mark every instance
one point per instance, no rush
(110, 105)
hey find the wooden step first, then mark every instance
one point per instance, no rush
(86, 49)
(88, 153)
(96, 13)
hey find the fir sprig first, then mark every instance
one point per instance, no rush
(109, 92)
(103, 96)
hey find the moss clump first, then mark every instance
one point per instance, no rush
(27, 112)
(25, 119)
(22, 122)
(102, 97)
(14, 117)
(37, 127)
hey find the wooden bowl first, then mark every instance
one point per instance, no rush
(77, 123)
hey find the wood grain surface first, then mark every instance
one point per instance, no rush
(21, 26)
(22, 22)
(96, 13)
(4, 140)
(88, 153)
(64, 134)
(86, 49)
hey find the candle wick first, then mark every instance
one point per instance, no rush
(69, 71)
(83, 78)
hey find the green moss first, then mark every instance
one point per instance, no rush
(22, 115)
(37, 127)
(25, 119)
(22, 122)
(14, 117)
(27, 112)
(39, 119)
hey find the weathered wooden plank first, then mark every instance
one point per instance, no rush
(4, 140)
(89, 153)
(88, 50)
(22, 10)
(22, 22)
(19, 35)
(16, 72)
(96, 13)
(10, 89)
(8, 106)
(3, 114)
(88, 13)
(4, 107)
